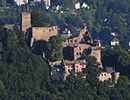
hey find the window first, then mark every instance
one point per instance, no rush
(77, 53)
(77, 70)
(76, 66)
(80, 53)
(69, 69)
(75, 40)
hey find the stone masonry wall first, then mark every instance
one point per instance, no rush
(43, 33)
(25, 21)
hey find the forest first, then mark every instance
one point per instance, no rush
(25, 75)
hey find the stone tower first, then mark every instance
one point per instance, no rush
(25, 21)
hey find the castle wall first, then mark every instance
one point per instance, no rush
(76, 52)
(43, 33)
(75, 40)
(96, 52)
(80, 51)
(25, 23)
(104, 76)
(115, 76)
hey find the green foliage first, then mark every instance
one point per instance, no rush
(20, 70)
(55, 48)
(2, 87)
(123, 82)
(118, 58)
(2, 2)
(25, 76)
(37, 19)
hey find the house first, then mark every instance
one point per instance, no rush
(21, 2)
(47, 3)
(85, 5)
(114, 34)
(77, 5)
(114, 42)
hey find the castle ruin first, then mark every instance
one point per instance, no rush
(25, 22)
(43, 33)
(75, 49)
(37, 33)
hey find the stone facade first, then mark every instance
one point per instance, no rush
(75, 66)
(75, 52)
(36, 33)
(79, 38)
(61, 69)
(25, 23)
(105, 76)
(116, 76)
(114, 42)
(77, 47)
(21, 2)
(43, 33)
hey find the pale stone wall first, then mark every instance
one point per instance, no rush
(75, 65)
(55, 63)
(104, 76)
(75, 40)
(43, 33)
(20, 2)
(79, 50)
(25, 21)
(116, 76)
